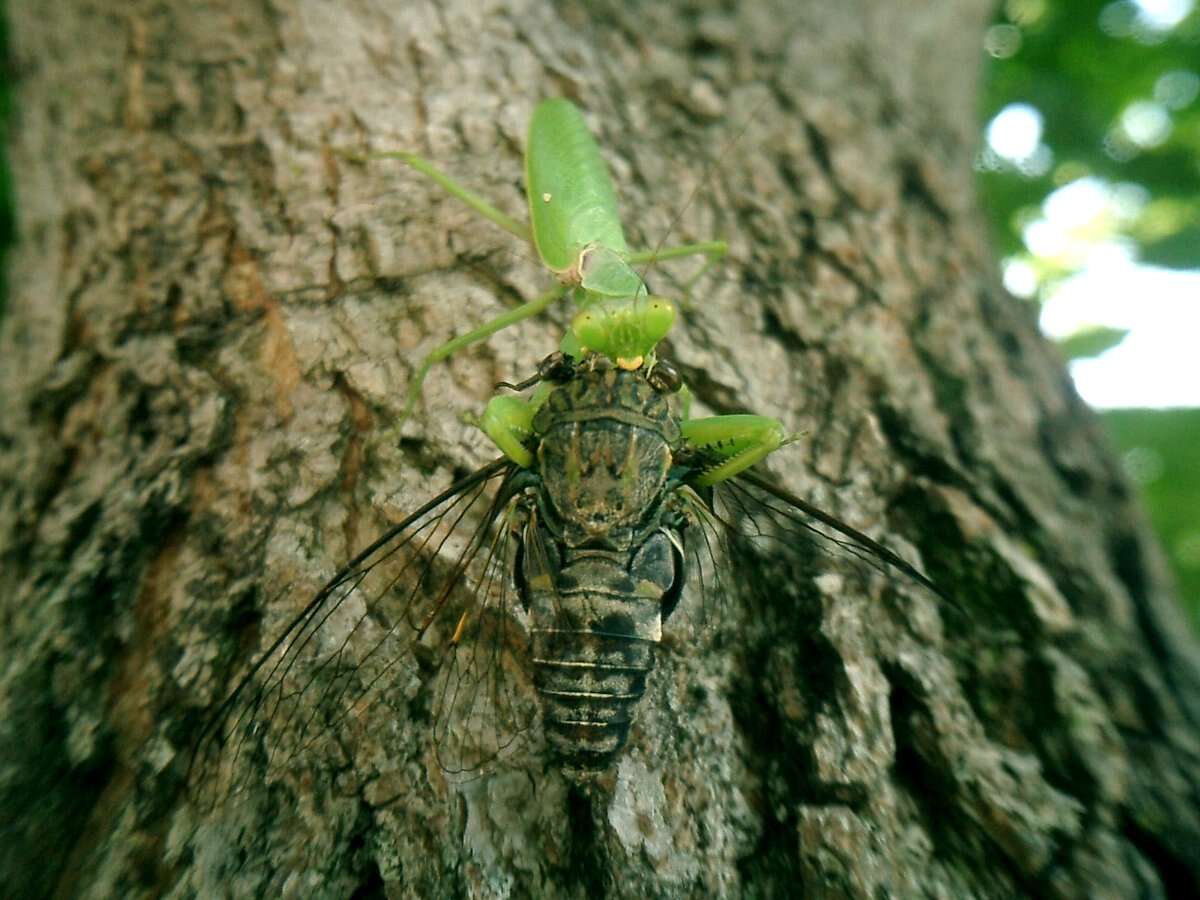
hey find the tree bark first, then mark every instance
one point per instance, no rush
(213, 317)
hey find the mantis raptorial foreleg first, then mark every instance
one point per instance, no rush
(740, 441)
(508, 421)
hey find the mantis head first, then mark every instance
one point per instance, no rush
(626, 330)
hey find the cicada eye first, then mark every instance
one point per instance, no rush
(556, 367)
(664, 378)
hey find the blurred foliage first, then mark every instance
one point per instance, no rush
(1089, 342)
(1118, 91)
(1159, 450)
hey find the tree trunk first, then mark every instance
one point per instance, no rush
(213, 317)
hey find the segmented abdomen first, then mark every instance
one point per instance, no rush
(589, 681)
(595, 623)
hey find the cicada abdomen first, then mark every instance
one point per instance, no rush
(596, 617)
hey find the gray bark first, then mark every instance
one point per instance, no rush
(212, 319)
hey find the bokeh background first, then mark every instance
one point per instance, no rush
(1089, 164)
(1090, 168)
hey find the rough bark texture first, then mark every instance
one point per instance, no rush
(214, 315)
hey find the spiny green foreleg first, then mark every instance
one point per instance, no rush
(502, 321)
(740, 441)
(508, 421)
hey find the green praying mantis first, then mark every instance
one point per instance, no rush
(576, 229)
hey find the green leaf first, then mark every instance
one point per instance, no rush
(1091, 341)
(1175, 251)
(1159, 450)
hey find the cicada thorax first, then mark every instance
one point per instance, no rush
(606, 443)
(601, 564)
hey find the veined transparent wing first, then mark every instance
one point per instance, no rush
(750, 509)
(430, 606)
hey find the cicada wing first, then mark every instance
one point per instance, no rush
(436, 578)
(483, 703)
(749, 511)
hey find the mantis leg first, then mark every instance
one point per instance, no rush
(465, 194)
(524, 311)
(712, 251)
(740, 441)
(508, 421)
